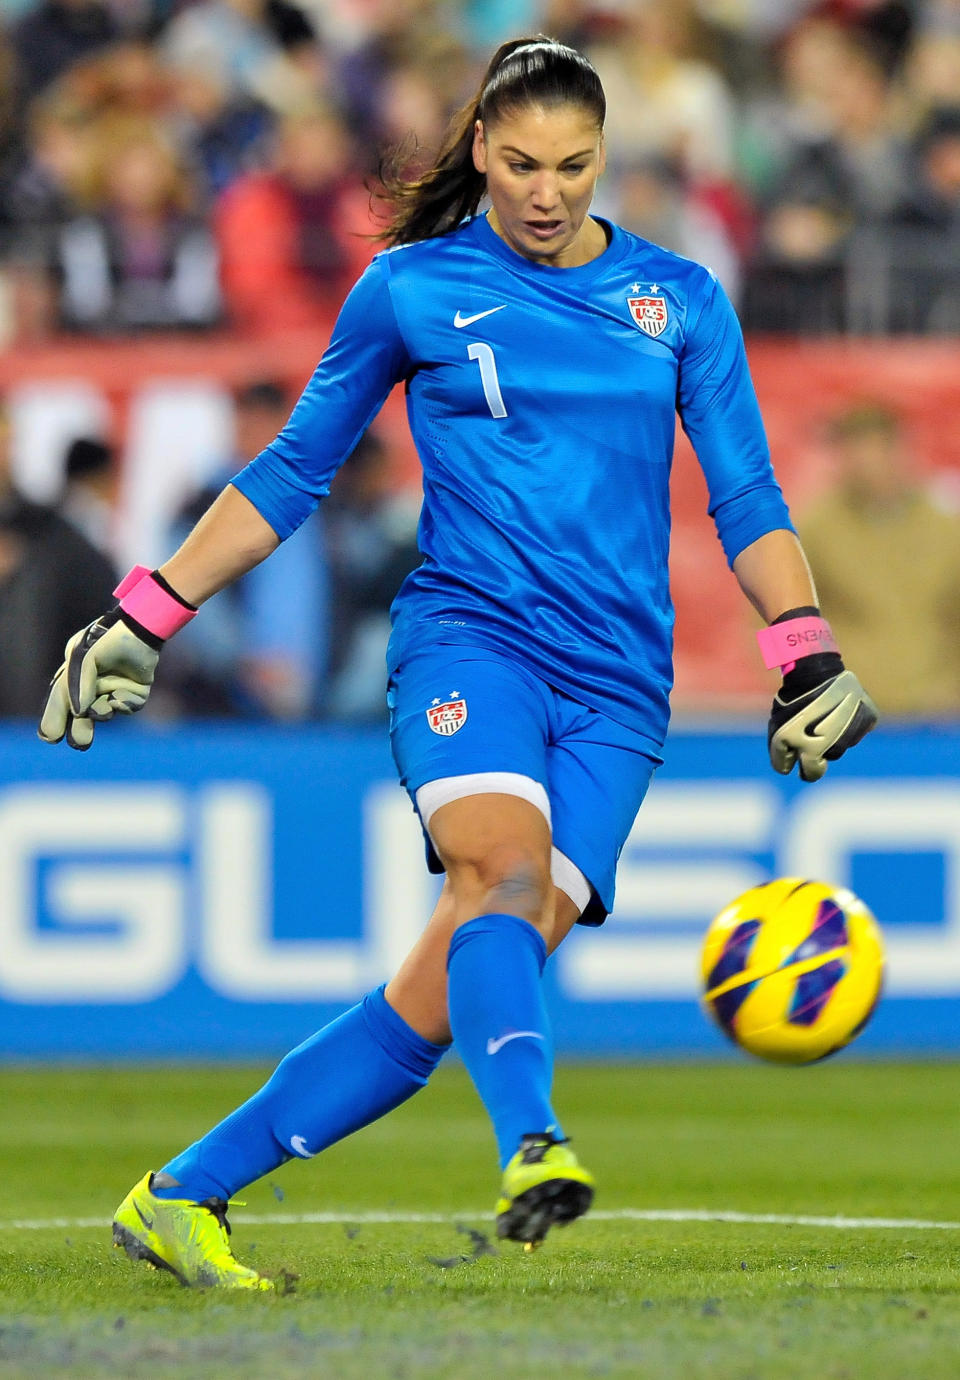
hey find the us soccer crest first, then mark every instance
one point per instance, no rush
(650, 311)
(447, 717)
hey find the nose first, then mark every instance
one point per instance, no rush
(546, 191)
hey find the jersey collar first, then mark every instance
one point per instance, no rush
(488, 239)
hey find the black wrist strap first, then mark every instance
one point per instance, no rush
(804, 611)
(169, 589)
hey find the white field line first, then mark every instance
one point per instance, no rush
(295, 1219)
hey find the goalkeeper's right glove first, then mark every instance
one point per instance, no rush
(108, 667)
(821, 709)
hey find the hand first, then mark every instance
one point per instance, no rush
(107, 670)
(816, 725)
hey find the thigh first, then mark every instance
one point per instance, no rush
(598, 774)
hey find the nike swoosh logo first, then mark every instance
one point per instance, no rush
(299, 1147)
(494, 1045)
(147, 1221)
(461, 321)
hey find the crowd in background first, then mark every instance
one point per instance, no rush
(210, 165)
(190, 163)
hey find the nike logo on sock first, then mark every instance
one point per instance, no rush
(461, 321)
(494, 1045)
(299, 1147)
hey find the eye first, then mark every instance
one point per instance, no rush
(574, 168)
(519, 167)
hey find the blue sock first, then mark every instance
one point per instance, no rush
(500, 1026)
(351, 1072)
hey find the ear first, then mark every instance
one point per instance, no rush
(602, 160)
(479, 147)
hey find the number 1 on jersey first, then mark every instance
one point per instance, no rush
(484, 356)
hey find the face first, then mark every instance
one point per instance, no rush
(873, 466)
(541, 167)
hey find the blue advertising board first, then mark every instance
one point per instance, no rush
(223, 891)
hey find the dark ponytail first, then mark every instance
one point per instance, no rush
(523, 72)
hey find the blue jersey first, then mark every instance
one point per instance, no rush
(542, 403)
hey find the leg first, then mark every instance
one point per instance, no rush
(496, 851)
(418, 992)
(503, 910)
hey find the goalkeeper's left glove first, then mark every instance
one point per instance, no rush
(108, 666)
(821, 709)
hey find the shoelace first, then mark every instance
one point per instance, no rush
(218, 1207)
(534, 1147)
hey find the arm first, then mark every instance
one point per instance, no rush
(230, 539)
(821, 708)
(108, 666)
(773, 573)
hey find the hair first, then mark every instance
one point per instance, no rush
(525, 72)
(111, 139)
(87, 455)
(262, 393)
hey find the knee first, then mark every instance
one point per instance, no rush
(507, 877)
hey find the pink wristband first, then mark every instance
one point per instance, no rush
(783, 644)
(149, 604)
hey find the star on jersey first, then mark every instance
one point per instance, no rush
(648, 309)
(448, 716)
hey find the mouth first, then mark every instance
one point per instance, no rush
(543, 229)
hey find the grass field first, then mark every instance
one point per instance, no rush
(380, 1293)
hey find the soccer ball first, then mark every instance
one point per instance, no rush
(792, 970)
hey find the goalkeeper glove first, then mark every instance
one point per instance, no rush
(108, 666)
(821, 709)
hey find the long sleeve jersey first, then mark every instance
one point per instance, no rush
(542, 403)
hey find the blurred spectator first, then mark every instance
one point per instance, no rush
(125, 80)
(412, 113)
(89, 491)
(850, 174)
(56, 34)
(52, 581)
(654, 202)
(805, 109)
(933, 62)
(140, 258)
(791, 108)
(372, 539)
(886, 560)
(291, 238)
(262, 649)
(219, 132)
(261, 50)
(922, 247)
(663, 99)
(397, 34)
(43, 193)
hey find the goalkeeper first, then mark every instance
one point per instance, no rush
(545, 354)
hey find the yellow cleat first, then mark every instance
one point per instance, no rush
(543, 1185)
(188, 1239)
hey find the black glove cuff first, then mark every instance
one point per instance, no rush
(120, 615)
(809, 673)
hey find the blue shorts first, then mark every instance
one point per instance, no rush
(457, 711)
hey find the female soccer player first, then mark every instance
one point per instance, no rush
(544, 353)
